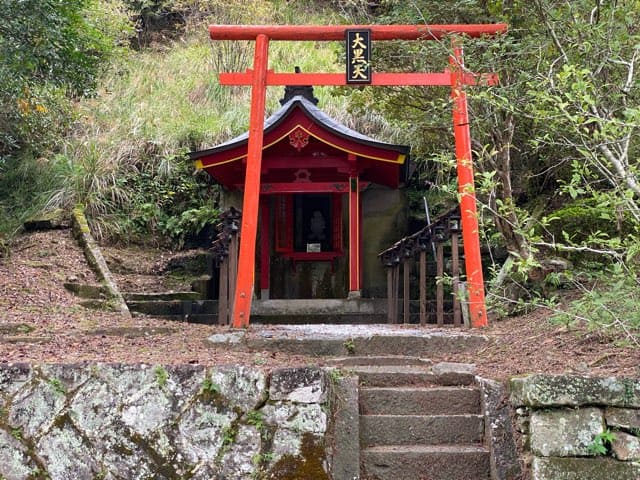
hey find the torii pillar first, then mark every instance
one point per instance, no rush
(260, 77)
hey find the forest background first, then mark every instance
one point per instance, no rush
(101, 99)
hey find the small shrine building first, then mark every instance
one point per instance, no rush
(330, 201)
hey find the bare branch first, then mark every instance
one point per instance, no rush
(551, 31)
(626, 176)
(631, 70)
(579, 248)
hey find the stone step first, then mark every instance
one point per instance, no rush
(362, 340)
(393, 375)
(15, 328)
(319, 318)
(420, 429)
(174, 308)
(161, 296)
(399, 375)
(419, 401)
(393, 371)
(88, 291)
(379, 360)
(425, 462)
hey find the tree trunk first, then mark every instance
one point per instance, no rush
(501, 200)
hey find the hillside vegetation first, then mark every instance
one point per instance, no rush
(104, 97)
(118, 148)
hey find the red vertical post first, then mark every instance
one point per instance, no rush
(360, 250)
(246, 265)
(354, 237)
(265, 247)
(466, 191)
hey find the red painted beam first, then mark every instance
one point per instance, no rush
(337, 32)
(306, 187)
(285, 162)
(378, 79)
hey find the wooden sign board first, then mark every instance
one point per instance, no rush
(358, 43)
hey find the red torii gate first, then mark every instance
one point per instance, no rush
(260, 77)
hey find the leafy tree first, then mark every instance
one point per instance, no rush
(424, 114)
(589, 97)
(562, 125)
(51, 53)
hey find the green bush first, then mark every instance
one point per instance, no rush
(65, 43)
(583, 218)
(170, 209)
(609, 304)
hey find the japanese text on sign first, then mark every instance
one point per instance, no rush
(358, 56)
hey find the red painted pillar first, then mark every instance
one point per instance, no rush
(361, 255)
(265, 246)
(249, 229)
(354, 237)
(466, 190)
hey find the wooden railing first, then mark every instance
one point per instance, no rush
(400, 259)
(225, 254)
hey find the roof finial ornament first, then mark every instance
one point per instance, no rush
(305, 91)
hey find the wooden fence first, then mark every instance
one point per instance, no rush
(440, 237)
(225, 253)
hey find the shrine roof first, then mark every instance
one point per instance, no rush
(317, 115)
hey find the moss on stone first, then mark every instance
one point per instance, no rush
(541, 391)
(81, 220)
(307, 465)
(568, 468)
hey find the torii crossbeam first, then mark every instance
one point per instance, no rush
(260, 77)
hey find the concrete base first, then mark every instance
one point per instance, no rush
(340, 340)
(329, 311)
(325, 306)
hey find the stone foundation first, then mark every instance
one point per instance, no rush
(580, 428)
(115, 421)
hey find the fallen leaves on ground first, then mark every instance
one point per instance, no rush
(32, 292)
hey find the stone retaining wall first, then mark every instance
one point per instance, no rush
(579, 428)
(113, 421)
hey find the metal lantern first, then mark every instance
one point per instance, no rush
(423, 241)
(439, 233)
(387, 260)
(407, 248)
(454, 223)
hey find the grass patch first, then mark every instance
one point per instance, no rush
(126, 160)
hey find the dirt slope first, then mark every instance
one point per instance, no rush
(41, 321)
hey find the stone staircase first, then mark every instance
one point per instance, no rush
(420, 422)
(179, 306)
